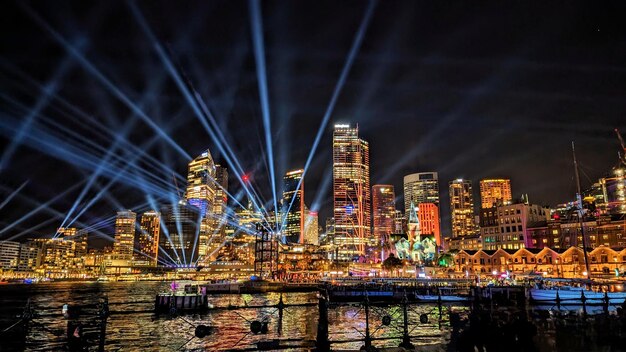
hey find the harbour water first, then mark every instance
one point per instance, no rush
(132, 326)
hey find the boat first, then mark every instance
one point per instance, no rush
(446, 298)
(576, 294)
(223, 287)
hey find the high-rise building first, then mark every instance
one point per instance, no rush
(124, 234)
(220, 202)
(78, 236)
(311, 228)
(505, 226)
(495, 191)
(293, 208)
(383, 212)
(351, 192)
(399, 222)
(462, 208)
(201, 190)
(9, 255)
(182, 223)
(428, 215)
(147, 238)
(614, 190)
(421, 187)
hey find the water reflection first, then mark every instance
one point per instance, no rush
(451, 328)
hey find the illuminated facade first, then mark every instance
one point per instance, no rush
(495, 191)
(383, 212)
(182, 222)
(147, 239)
(614, 191)
(201, 192)
(399, 222)
(124, 234)
(428, 215)
(78, 236)
(462, 208)
(9, 255)
(311, 228)
(57, 256)
(505, 226)
(351, 192)
(220, 202)
(293, 208)
(421, 187)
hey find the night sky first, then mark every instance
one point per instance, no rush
(467, 89)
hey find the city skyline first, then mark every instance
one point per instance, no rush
(80, 177)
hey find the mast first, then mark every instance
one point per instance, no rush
(580, 212)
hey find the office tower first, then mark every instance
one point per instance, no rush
(147, 238)
(351, 192)
(182, 222)
(220, 202)
(421, 187)
(311, 228)
(614, 190)
(78, 236)
(201, 190)
(495, 191)
(9, 255)
(399, 222)
(383, 212)
(124, 234)
(428, 215)
(293, 208)
(462, 208)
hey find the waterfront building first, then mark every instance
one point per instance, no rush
(293, 208)
(421, 187)
(76, 235)
(124, 234)
(29, 258)
(495, 191)
(9, 255)
(505, 226)
(383, 212)
(561, 233)
(147, 239)
(220, 202)
(462, 208)
(57, 256)
(311, 228)
(182, 225)
(351, 192)
(201, 192)
(468, 243)
(428, 215)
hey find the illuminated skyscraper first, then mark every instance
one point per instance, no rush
(182, 222)
(421, 187)
(220, 202)
(614, 190)
(124, 234)
(147, 238)
(428, 215)
(311, 228)
(383, 211)
(78, 236)
(351, 192)
(293, 207)
(462, 208)
(495, 191)
(201, 191)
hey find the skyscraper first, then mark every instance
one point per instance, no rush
(124, 234)
(351, 191)
(220, 202)
(383, 211)
(311, 228)
(293, 207)
(494, 191)
(462, 208)
(147, 238)
(182, 223)
(428, 215)
(201, 186)
(421, 187)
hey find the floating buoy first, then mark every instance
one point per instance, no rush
(424, 318)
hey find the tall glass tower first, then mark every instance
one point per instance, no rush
(351, 192)
(293, 208)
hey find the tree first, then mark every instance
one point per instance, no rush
(392, 263)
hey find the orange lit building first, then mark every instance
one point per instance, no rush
(495, 191)
(428, 215)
